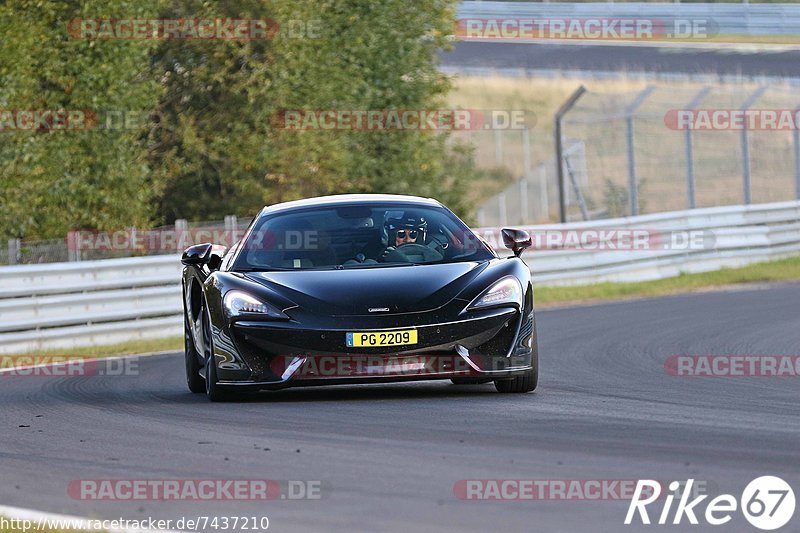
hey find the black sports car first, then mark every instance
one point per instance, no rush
(355, 289)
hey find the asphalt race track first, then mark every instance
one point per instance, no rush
(388, 456)
(616, 58)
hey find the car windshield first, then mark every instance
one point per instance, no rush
(358, 236)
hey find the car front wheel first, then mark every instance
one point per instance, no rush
(194, 378)
(524, 383)
(214, 392)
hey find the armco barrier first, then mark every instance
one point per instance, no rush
(740, 235)
(63, 305)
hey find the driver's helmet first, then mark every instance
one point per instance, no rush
(413, 223)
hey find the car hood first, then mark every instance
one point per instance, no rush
(401, 289)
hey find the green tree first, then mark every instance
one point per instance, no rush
(53, 181)
(218, 150)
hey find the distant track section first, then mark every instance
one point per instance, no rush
(737, 62)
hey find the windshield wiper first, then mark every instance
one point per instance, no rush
(374, 265)
(267, 269)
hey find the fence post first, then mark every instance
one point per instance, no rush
(526, 175)
(181, 228)
(796, 139)
(563, 110)
(498, 147)
(544, 199)
(231, 227)
(73, 246)
(503, 215)
(523, 200)
(481, 218)
(745, 140)
(633, 193)
(13, 251)
(690, 182)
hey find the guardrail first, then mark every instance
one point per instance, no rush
(63, 305)
(728, 19)
(731, 236)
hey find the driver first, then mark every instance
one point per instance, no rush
(406, 230)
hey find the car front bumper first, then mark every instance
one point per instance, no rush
(491, 344)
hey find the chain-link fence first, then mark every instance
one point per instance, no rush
(665, 149)
(534, 196)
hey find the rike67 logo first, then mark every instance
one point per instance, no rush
(767, 502)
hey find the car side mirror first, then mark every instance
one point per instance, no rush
(197, 255)
(516, 240)
(204, 254)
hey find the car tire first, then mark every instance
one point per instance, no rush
(194, 378)
(212, 389)
(525, 383)
(469, 381)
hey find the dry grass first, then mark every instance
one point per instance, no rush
(124, 348)
(783, 270)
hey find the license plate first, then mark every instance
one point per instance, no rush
(404, 337)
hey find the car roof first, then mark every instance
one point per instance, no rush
(351, 199)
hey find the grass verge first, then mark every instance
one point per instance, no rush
(772, 271)
(111, 350)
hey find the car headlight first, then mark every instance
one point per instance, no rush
(238, 303)
(506, 291)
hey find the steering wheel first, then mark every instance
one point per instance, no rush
(402, 253)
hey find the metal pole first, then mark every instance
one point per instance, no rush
(13, 251)
(690, 192)
(633, 193)
(690, 181)
(526, 174)
(563, 110)
(746, 146)
(796, 138)
(231, 227)
(181, 230)
(544, 200)
(524, 211)
(578, 193)
(501, 200)
(746, 165)
(498, 148)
